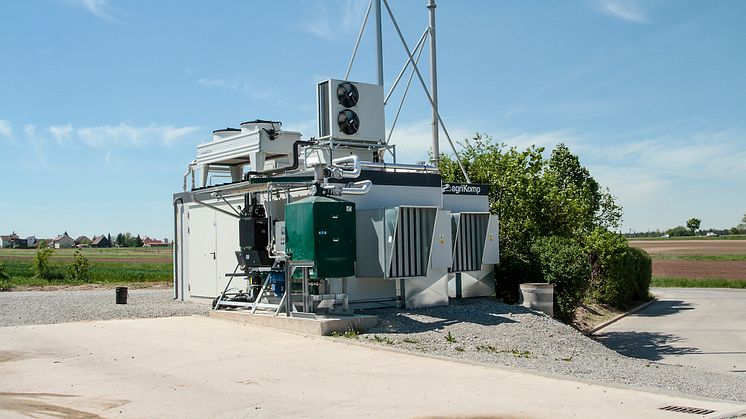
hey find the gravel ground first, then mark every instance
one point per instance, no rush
(19, 308)
(487, 331)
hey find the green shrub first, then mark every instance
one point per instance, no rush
(42, 267)
(644, 276)
(4, 279)
(78, 270)
(620, 274)
(564, 263)
(3, 275)
(513, 270)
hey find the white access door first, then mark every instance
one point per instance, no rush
(202, 252)
(226, 244)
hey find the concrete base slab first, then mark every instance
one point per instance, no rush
(195, 367)
(322, 325)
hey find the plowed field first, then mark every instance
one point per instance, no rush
(699, 258)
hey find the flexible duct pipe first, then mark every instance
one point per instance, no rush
(356, 166)
(357, 188)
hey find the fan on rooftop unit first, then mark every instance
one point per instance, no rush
(348, 121)
(347, 94)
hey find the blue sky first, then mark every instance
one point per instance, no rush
(102, 103)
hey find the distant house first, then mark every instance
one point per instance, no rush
(6, 240)
(100, 241)
(82, 241)
(63, 242)
(148, 242)
(12, 241)
(31, 241)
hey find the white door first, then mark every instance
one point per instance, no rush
(202, 252)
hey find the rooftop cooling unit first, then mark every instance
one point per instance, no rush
(350, 111)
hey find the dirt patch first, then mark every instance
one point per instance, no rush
(691, 247)
(34, 405)
(723, 269)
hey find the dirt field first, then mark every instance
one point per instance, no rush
(724, 269)
(689, 267)
(691, 247)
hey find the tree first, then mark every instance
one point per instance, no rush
(679, 231)
(532, 196)
(120, 240)
(743, 219)
(693, 224)
(137, 241)
(536, 198)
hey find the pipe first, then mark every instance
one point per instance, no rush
(379, 42)
(356, 166)
(357, 188)
(296, 161)
(434, 82)
(190, 169)
(415, 167)
(176, 249)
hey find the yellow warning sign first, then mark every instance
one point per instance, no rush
(490, 237)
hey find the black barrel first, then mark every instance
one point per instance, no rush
(121, 295)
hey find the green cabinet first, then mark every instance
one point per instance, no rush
(322, 229)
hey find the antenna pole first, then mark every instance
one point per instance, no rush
(434, 81)
(379, 42)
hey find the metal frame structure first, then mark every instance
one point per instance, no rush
(432, 93)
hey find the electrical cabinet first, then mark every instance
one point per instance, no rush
(322, 229)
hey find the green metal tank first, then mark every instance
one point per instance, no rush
(322, 229)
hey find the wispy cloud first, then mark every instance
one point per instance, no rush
(124, 135)
(628, 10)
(335, 23)
(5, 129)
(99, 8)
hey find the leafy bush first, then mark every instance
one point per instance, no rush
(564, 263)
(644, 276)
(78, 270)
(4, 279)
(42, 267)
(620, 274)
(513, 270)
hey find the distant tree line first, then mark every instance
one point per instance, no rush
(127, 240)
(692, 228)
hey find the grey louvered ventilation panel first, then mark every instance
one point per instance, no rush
(410, 255)
(470, 233)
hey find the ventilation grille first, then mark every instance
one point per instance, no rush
(323, 97)
(690, 410)
(469, 235)
(412, 240)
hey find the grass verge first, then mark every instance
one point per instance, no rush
(674, 282)
(22, 275)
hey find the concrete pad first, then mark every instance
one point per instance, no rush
(699, 327)
(320, 326)
(203, 367)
